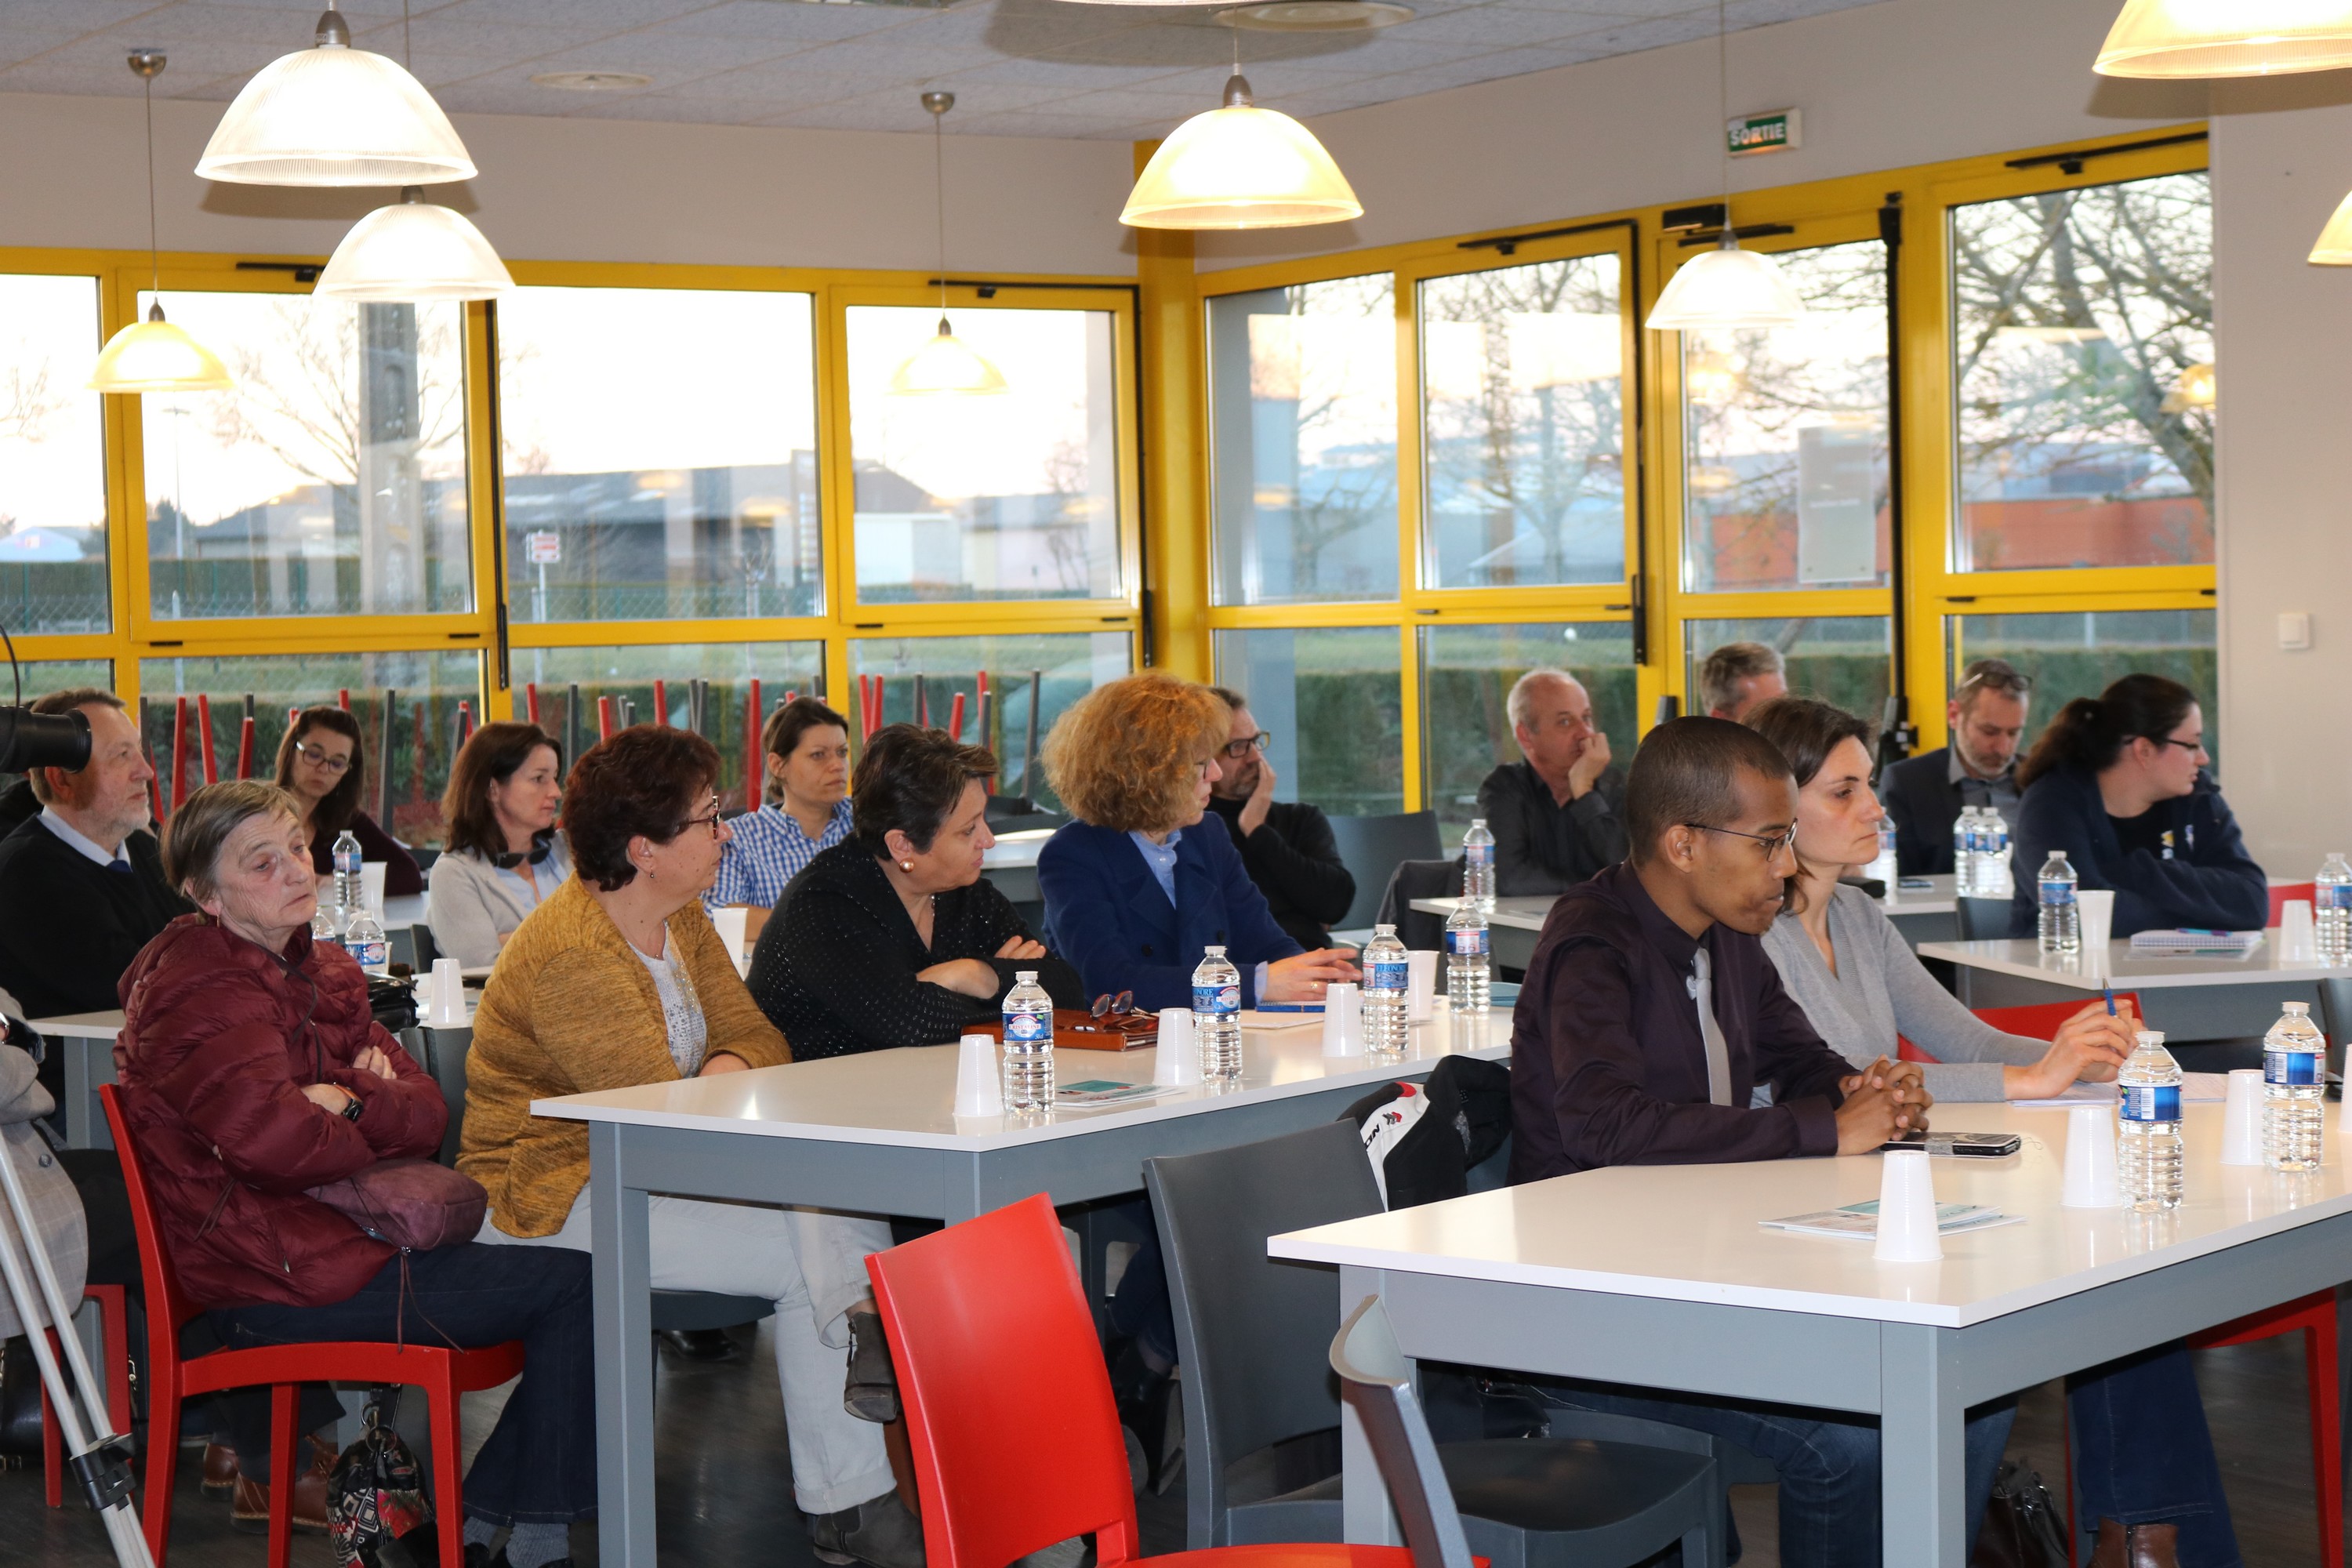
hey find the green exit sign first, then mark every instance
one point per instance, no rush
(1775, 130)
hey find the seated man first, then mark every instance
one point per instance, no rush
(1651, 1013)
(1739, 676)
(1286, 847)
(1554, 816)
(1924, 795)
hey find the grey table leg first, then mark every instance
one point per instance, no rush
(620, 1231)
(1367, 1516)
(85, 1117)
(1922, 1448)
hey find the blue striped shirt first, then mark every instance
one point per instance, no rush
(769, 849)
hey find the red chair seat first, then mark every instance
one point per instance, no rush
(1298, 1554)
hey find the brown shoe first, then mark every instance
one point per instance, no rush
(2136, 1546)
(249, 1510)
(220, 1470)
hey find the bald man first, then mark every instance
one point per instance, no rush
(1555, 817)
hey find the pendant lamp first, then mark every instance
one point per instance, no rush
(2334, 247)
(947, 366)
(413, 250)
(2227, 37)
(153, 355)
(2195, 389)
(1240, 166)
(334, 115)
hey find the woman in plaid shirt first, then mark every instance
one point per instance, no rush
(807, 811)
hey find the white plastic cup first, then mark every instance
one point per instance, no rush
(2091, 1178)
(371, 886)
(733, 924)
(1907, 1210)
(1421, 986)
(2298, 939)
(2241, 1118)
(979, 1091)
(1179, 1057)
(446, 1007)
(1343, 1019)
(2097, 909)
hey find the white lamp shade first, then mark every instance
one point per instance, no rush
(2227, 37)
(153, 355)
(947, 367)
(413, 251)
(334, 116)
(2335, 246)
(1726, 288)
(1240, 168)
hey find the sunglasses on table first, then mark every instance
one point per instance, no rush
(1116, 1015)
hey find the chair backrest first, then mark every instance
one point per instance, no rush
(168, 1306)
(1007, 1402)
(1370, 848)
(1378, 1382)
(1250, 1332)
(442, 1053)
(1984, 919)
(2040, 1020)
(1418, 930)
(2282, 891)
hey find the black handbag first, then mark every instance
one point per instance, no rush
(20, 1402)
(2021, 1523)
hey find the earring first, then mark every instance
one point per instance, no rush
(906, 865)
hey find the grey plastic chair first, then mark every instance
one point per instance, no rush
(1601, 1502)
(1983, 920)
(1419, 930)
(1371, 847)
(1252, 1336)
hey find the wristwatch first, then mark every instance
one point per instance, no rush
(352, 1106)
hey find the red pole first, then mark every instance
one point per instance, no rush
(245, 748)
(204, 728)
(343, 699)
(530, 699)
(179, 751)
(865, 706)
(661, 703)
(154, 785)
(791, 698)
(955, 717)
(603, 718)
(751, 770)
(465, 721)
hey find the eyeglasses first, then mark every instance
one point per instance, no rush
(1237, 749)
(1773, 843)
(1109, 1005)
(318, 758)
(712, 821)
(2014, 682)
(2196, 745)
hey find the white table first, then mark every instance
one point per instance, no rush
(874, 1134)
(1661, 1277)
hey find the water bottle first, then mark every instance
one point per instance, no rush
(1478, 866)
(2148, 1144)
(1468, 965)
(2331, 909)
(1217, 1016)
(350, 891)
(2062, 924)
(2294, 1082)
(364, 939)
(1385, 983)
(1028, 1044)
(1964, 850)
(324, 926)
(1998, 882)
(1886, 867)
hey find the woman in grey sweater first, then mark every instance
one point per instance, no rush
(505, 853)
(1852, 972)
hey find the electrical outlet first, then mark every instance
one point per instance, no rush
(2295, 630)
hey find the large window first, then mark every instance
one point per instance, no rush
(1030, 679)
(1331, 700)
(1466, 674)
(52, 458)
(2076, 653)
(1842, 660)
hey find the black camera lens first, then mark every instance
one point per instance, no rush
(30, 740)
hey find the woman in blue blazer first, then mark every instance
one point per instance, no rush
(1142, 881)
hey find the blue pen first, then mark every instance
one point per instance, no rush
(2109, 988)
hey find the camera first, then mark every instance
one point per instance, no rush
(30, 740)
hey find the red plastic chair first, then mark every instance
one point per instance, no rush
(114, 1333)
(2281, 891)
(443, 1375)
(1009, 1408)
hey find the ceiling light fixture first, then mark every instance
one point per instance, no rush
(1726, 288)
(1240, 166)
(153, 355)
(2193, 390)
(946, 366)
(413, 251)
(334, 115)
(2170, 39)
(1315, 15)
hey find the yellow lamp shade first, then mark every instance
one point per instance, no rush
(1240, 168)
(413, 250)
(334, 115)
(153, 355)
(2335, 246)
(947, 366)
(2227, 37)
(1726, 288)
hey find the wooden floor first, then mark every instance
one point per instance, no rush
(725, 1492)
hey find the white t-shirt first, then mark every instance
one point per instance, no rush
(681, 1012)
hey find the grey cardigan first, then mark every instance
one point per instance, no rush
(57, 1206)
(472, 900)
(1880, 990)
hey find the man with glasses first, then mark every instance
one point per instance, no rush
(1924, 795)
(1554, 816)
(1286, 846)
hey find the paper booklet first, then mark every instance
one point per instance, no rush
(1860, 1221)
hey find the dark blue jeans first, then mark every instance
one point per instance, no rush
(540, 1463)
(2143, 1455)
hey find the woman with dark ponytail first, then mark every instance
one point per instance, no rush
(2118, 782)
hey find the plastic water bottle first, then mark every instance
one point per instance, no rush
(1469, 967)
(2331, 909)
(1478, 866)
(2148, 1144)
(1028, 1044)
(1217, 1016)
(350, 890)
(1386, 979)
(1964, 850)
(1994, 873)
(324, 925)
(2294, 1082)
(1886, 867)
(364, 939)
(2062, 924)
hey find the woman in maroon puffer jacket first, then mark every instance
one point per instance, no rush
(251, 1070)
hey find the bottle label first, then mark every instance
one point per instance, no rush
(1466, 944)
(2151, 1102)
(1216, 999)
(2057, 893)
(1477, 854)
(2338, 897)
(1386, 974)
(1029, 1029)
(371, 954)
(2296, 1069)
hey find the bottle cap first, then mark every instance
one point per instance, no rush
(1214, 952)
(2148, 1037)
(1024, 977)
(2298, 1009)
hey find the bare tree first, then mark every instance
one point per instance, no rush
(298, 394)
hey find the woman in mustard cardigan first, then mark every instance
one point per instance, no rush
(618, 979)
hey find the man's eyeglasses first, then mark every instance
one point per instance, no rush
(711, 821)
(1773, 843)
(318, 758)
(2014, 683)
(1237, 749)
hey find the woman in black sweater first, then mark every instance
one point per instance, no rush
(891, 938)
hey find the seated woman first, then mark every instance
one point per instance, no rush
(1860, 983)
(506, 854)
(251, 1071)
(1139, 884)
(893, 938)
(2119, 783)
(320, 764)
(806, 745)
(618, 979)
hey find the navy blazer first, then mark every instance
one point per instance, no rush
(2210, 883)
(1923, 803)
(1104, 913)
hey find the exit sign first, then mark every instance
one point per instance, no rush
(1775, 130)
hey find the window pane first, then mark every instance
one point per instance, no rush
(1331, 699)
(427, 689)
(1057, 667)
(2083, 344)
(2071, 655)
(1784, 468)
(331, 481)
(1523, 425)
(52, 458)
(45, 675)
(660, 453)
(1842, 660)
(549, 678)
(1302, 410)
(1013, 496)
(1466, 672)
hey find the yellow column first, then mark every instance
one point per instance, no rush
(1174, 419)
